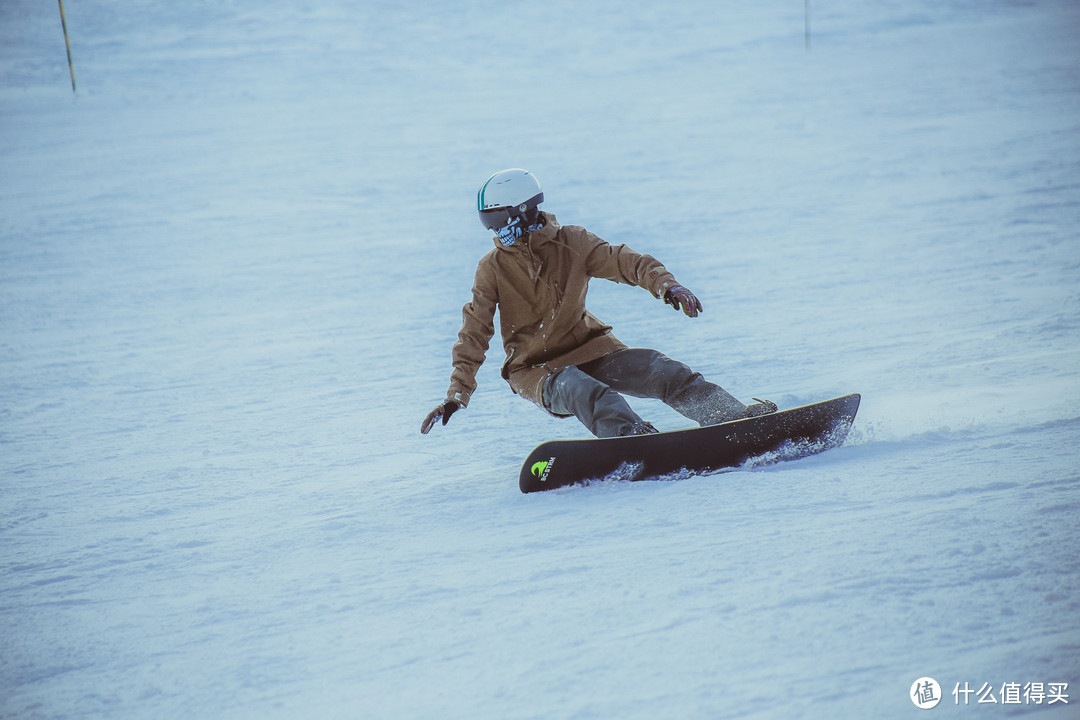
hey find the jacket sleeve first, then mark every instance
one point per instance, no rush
(620, 264)
(477, 329)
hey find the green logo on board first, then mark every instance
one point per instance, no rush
(541, 468)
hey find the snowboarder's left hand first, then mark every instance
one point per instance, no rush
(442, 411)
(677, 295)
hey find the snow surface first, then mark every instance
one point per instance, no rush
(231, 268)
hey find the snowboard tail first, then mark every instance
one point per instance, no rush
(784, 435)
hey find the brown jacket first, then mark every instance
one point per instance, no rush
(539, 285)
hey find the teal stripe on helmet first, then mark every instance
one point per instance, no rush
(480, 195)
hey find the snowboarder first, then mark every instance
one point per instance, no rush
(558, 354)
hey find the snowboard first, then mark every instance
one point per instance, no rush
(784, 435)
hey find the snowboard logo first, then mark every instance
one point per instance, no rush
(541, 468)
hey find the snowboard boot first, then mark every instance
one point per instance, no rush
(761, 407)
(640, 428)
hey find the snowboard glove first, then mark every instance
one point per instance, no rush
(442, 411)
(677, 296)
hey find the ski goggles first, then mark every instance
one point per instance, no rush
(496, 218)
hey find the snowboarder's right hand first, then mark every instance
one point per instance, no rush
(442, 411)
(682, 299)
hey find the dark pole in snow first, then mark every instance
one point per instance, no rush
(806, 21)
(67, 44)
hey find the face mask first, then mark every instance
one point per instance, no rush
(509, 234)
(512, 231)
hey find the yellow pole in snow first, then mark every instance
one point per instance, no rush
(67, 43)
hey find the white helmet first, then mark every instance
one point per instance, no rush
(508, 194)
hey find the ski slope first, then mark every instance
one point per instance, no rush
(231, 271)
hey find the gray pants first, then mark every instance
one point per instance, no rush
(591, 392)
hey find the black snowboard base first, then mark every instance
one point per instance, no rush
(785, 435)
